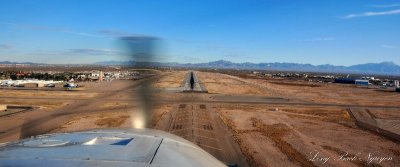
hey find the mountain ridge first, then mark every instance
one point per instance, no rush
(386, 67)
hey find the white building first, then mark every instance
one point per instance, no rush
(22, 83)
(96, 75)
(3, 107)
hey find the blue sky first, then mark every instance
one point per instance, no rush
(339, 32)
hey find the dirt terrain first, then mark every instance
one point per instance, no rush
(331, 93)
(304, 135)
(295, 133)
(173, 80)
(249, 122)
(114, 119)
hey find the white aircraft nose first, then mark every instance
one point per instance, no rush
(129, 147)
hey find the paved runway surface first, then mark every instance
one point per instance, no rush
(200, 124)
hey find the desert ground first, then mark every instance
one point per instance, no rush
(249, 122)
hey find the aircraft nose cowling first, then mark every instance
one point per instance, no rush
(111, 147)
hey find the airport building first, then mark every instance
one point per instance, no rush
(397, 85)
(28, 83)
(3, 107)
(345, 80)
(34, 85)
(96, 76)
(360, 82)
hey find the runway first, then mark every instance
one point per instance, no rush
(200, 124)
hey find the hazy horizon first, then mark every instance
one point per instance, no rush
(122, 61)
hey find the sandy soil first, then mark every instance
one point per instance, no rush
(43, 104)
(331, 93)
(170, 81)
(114, 119)
(284, 135)
(42, 99)
(291, 137)
(223, 84)
(93, 121)
(315, 92)
(386, 113)
(38, 93)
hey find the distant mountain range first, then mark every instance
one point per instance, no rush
(385, 68)
(10, 62)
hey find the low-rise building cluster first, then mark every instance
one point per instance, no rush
(358, 80)
(31, 83)
(39, 79)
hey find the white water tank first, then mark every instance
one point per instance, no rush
(396, 84)
(71, 85)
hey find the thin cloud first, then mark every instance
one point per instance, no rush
(190, 59)
(389, 46)
(91, 51)
(75, 52)
(319, 39)
(218, 47)
(52, 29)
(5, 46)
(386, 5)
(114, 33)
(6, 23)
(368, 14)
(83, 34)
(185, 41)
(33, 27)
